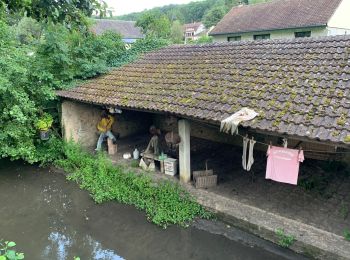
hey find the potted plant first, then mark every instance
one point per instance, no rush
(44, 124)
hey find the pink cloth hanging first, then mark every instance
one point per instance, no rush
(283, 164)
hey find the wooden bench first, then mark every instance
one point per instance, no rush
(153, 157)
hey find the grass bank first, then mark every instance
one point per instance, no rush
(165, 203)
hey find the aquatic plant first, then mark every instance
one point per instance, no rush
(164, 202)
(7, 251)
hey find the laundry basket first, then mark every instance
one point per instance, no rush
(205, 178)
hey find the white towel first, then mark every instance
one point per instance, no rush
(230, 124)
(250, 155)
(244, 156)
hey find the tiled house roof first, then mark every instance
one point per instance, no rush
(278, 14)
(300, 87)
(192, 26)
(126, 28)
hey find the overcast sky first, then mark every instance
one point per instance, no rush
(129, 6)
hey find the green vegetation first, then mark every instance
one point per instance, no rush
(139, 48)
(165, 202)
(176, 32)
(347, 235)
(191, 12)
(166, 22)
(214, 15)
(284, 239)
(134, 163)
(40, 57)
(30, 73)
(344, 211)
(44, 122)
(68, 12)
(154, 24)
(202, 40)
(7, 251)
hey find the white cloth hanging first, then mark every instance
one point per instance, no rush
(285, 142)
(250, 155)
(230, 124)
(244, 156)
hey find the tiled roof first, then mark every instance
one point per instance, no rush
(126, 28)
(278, 14)
(300, 87)
(192, 26)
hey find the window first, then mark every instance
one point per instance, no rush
(234, 38)
(261, 36)
(302, 34)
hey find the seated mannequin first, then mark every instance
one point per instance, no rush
(153, 145)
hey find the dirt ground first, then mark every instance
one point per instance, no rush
(321, 199)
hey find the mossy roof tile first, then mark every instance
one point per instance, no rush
(296, 85)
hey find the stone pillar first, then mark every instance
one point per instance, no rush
(184, 150)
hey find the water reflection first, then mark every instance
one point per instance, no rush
(50, 218)
(60, 245)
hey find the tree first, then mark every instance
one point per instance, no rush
(196, 10)
(176, 14)
(191, 12)
(30, 73)
(214, 15)
(17, 106)
(154, 24)
(28, 30)
(58, 11)
(177, 32)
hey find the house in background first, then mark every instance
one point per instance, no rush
(284, 19)
(192, 31)
(129, 32)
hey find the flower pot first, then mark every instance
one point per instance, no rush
(44, 134)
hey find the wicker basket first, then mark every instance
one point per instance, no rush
(205, 179)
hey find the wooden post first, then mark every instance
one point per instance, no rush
(112, 148)
(185, 151)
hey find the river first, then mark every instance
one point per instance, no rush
(51, 218)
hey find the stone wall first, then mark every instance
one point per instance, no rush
(79, 122)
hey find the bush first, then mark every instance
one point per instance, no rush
(202, 40)
(18, 108)
(30, 74)
(138, 48)
(165, 203)
(49, 151)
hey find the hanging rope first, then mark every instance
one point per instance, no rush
(267, 145)
(314, 151)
